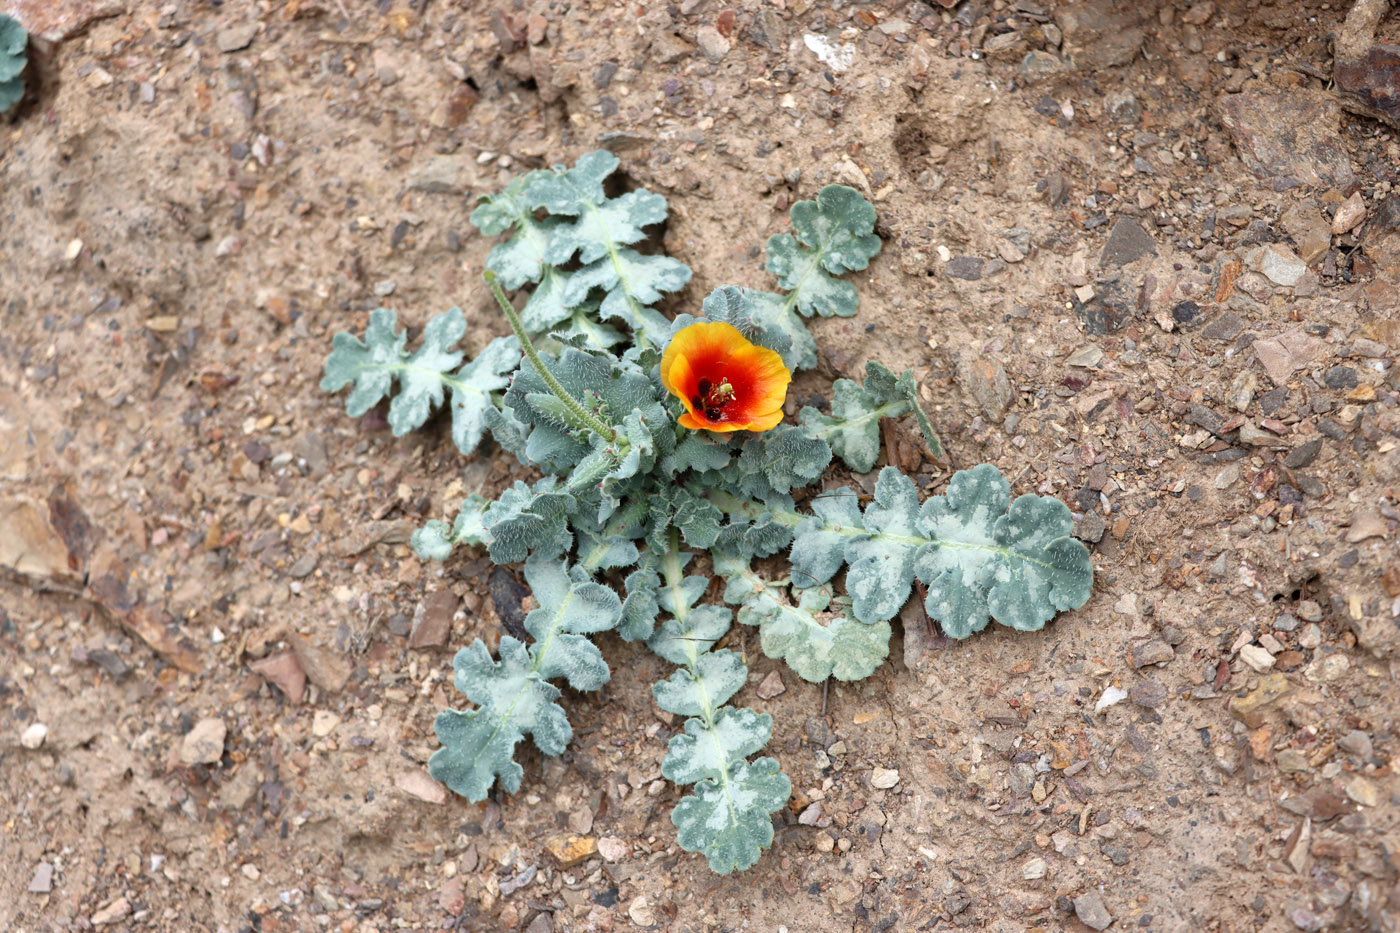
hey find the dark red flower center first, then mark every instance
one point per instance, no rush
(714, 398)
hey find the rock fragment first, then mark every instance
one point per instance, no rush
(204, 744)
(418, 783)
(1090, 910)
(1289, 137)
(1127, 241)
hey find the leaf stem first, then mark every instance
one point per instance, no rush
(604, 431)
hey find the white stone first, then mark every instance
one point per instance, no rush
(34, 736)
(324, 723)
(1111, 696)
(1034, 869)
(613, 849)
(1256, 657)
(884, 778)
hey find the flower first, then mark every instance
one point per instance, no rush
(725, 382)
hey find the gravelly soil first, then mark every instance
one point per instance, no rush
(1112, 255)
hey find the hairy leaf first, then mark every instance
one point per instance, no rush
(853, 427)
(728, 820)
(529, 520)
(519, 259)
(980, 555)
(1015, 562)
(774, 313)
(701, 753)
(13, 40)
(478, 745)
(764, 527)
(513, 696)
(373, 365)
(814, 643)
(599, 233)
(640, 608)
(570, 607)
(436, 539)
(831, 235)
(728, 817)
(785, 457)
(715, 678)
(696, 451)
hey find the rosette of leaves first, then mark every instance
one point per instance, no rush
(13, 59)
(607, 531)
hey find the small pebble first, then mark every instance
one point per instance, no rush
(34, 736)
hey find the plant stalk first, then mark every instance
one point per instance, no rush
(596, 425)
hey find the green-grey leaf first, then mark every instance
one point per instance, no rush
(882, 565)
(13, 40)
(570, 191)
(699, 752)
(1018, 565)
(602, 224)
(716, 678)
(819, 547)
(785, 457)
(570, 607)
(729, 821)
(831, 235)
(814, 643)
(519, 259)
(546, 306)
(474, 387)
(683, 642)
(698, 452)
(435, 540)
(370, 363)
(640, 609)
(853, 427)
(527, 520)
(478, 745)
(774, 313)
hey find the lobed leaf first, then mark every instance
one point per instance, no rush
(478, 746)
(436, 539)
(784, 457)
(529, 520)
(694, 692)
(728, 819)
(814, 643)
(832, 235)
(513, 695)
(1017, 564)
(520, 259)
(853, 427)
(700, 753)
(981, 556)
(374, 364)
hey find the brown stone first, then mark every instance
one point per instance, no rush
(1293, 134)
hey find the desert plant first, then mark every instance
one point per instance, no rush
(665, 463)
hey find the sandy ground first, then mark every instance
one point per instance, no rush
(1112, 254)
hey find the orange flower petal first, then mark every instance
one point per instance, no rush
(714, 352)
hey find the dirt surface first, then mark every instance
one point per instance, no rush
(1110, 256)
